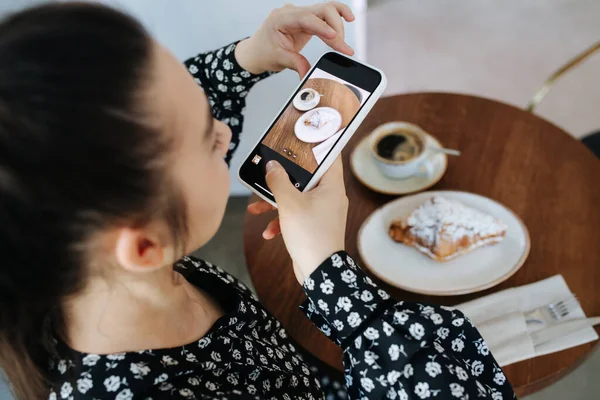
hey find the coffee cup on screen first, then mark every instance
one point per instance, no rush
(400, 150)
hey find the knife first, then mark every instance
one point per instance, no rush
(562, 329)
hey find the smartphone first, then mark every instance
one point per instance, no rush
(316, 122)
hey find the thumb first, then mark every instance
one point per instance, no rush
(295, 61)
(279, 183)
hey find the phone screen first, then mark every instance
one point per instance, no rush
(313, 121)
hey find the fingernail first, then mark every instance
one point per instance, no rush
(271, 164)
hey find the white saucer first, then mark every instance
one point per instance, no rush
(406, 268)
(366, 171)
(308, 134)
(303, 105)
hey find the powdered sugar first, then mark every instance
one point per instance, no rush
(442, 219)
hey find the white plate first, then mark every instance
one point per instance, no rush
(366, 171)
(308, 134)
(406, 268)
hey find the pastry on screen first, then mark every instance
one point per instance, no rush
(444, 229)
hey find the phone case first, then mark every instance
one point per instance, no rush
(348, 133)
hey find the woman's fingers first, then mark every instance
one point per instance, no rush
(272, 230)
(260, 207)
(333, 19)
(295, 61)
(305, 21)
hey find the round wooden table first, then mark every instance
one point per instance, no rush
(544, 175)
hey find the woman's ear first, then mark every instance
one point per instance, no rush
(141, 250)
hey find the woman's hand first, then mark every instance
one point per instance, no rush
(313, 224)
(278, 42)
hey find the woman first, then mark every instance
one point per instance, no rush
(113, 166)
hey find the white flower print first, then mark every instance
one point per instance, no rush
(202, 343)
(337, 261)
(139, 369)
(408, 370)
(62, 366)
(458, 345)
(482, 348)
(393, 376)
(370, 357)
(84, 384)
(193, 69)
(387, 329)
(461, 373)
(348, 380)
(394, 352)
(358, 342)
(309, 283)
(245, 74)
(422, 390)
(323, 306)
(348, 276)
(367, 384)
(391, 394)
(227, 64)
(366, 296)
(124, 394)
(251, 389)
(499, 378)
(354, 319)
(235, 122)
(327, 286)
(168, 360)
(215, 356)
(112, 383)
(436, 318)
(383, 294)
(65, 390)
(232, 379)
(239, 88)
(190, 357)
(90, 360)
(344, 303)
(458, 322)
(236, 79)
(497, 396)
(338, 325)
(186, 393)
(116, 356)
(218, 74)
(457, 390)
(326, 330)
(208, 58)
(193, 381)
(477, 368)
(416, 330)
(402, 395)
(433, 369)
(210, 386)
(427, 310)
(443, 333)
(222, 88)
(369, 281)
(371, 333)
(400, 317)
(52, 396)
(161, 378)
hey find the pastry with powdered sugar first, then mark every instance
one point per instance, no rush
(444, 229)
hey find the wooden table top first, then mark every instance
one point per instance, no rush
(335, 95)
(533, 167)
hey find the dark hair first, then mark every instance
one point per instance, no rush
(77, 155)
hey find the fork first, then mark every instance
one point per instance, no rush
(553, 312)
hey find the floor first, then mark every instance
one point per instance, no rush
(503, 50)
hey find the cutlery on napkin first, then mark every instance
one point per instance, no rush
(500, 317)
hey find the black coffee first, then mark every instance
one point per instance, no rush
(398, 146)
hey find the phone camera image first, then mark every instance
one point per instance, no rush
(315, 119)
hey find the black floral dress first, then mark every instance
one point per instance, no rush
(392, 350)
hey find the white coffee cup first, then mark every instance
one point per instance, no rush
(418, 165)
(302, 105)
